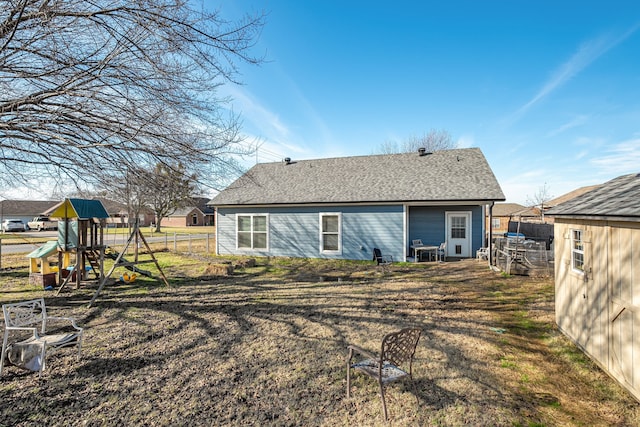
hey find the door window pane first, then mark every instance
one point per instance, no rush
(458, 227)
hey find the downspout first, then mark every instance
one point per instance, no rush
(216, 221)
(490, 242)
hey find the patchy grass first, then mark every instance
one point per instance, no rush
(267, 346)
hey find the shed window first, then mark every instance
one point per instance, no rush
(577, 251)
(330, 232)
(251, 231)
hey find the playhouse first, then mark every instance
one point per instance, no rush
(80, 242)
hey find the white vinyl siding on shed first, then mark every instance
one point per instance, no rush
(598, 307)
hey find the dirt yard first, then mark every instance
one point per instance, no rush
(267, 346)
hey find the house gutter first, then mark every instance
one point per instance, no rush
(490, 243)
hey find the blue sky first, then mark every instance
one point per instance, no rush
(548, 90)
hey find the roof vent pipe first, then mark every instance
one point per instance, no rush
(287, 160)
(422, 151)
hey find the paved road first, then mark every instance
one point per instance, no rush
(111, 239)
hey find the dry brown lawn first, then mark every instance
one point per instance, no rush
(267, 346)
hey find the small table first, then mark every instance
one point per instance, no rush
(422, 248)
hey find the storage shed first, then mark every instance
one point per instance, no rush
(597, 271)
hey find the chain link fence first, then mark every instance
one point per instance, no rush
(525, 257)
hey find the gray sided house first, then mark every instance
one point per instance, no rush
(597, 272)
(345, 207)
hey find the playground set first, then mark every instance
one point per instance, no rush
(81, 250)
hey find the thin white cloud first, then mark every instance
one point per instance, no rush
(575, 122)
(620, 159)
(253, 111)
(581, 154)
(587, 53)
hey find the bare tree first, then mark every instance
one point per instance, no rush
(167, 190)
(539, 199)
(92, 89)
(434, 140)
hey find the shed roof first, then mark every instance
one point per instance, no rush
(615, 199)
(444, 176)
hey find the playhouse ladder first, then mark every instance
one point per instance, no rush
(94, 261)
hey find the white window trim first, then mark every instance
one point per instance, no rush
(574, 251)
(320, 233)
(266, 215)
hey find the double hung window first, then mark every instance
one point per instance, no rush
(330, 233)
(577, 251)
(252, 231)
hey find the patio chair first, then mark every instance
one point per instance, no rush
(381, 259)
(392, 364)
(482, 254)
(415, 243)
(28, 320)
(442, 252)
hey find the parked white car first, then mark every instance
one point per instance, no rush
(13, 225)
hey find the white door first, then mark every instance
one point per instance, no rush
(458, 234)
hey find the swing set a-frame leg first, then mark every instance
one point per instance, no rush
(116, 263)
(108, 275)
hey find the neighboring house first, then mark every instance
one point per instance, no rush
(198, 214)
(597, 274)
(502, 213)
(185, 217)
(25, 210)
(345, 207)
(208, 212)
(119, 214)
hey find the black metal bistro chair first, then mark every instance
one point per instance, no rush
(381, 259)
(394, 362)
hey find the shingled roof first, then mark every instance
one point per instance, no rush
(25, 207)
(443, 176)
(615, 199)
